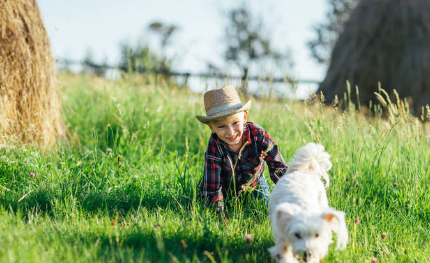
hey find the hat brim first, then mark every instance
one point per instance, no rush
(207, 119)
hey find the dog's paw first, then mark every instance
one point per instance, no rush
(277, 255)
(274, 253)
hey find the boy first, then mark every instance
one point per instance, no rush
(237, 151)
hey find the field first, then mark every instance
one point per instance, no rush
(124, 187)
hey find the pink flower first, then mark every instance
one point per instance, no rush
(248, 238)
(384, 235)
(357, 220)
(396, 184)
(32, 175)
(374, 260)
(357, 184)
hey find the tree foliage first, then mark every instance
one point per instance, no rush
(165, 33)
(89, 66)
(138, 58)
(327, 32)
(246, 39)
(142, 58)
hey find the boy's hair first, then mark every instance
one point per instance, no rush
(224, 118)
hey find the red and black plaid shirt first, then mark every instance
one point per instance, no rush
(258, 148)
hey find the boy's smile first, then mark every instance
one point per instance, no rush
(230, 129)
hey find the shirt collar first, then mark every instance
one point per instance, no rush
(246, 133)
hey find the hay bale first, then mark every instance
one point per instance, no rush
(29, 95)
(386, 41)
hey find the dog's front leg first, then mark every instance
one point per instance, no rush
(281, 254)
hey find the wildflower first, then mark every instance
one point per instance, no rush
(119, 158)
(396, 184)
(357, 220)
(357, 184)
(248, 239)
(32, 175)
(113, 223)
(374, 260)
(167, 186)
(384, 235)
(120, 166)
(347, 180)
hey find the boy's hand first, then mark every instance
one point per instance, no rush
(219, 209)
(224, 218)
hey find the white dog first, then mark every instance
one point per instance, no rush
(302, 221)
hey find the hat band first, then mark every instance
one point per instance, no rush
(223, 108)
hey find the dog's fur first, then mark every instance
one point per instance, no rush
(302, 221)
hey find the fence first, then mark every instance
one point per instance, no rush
(198, 82)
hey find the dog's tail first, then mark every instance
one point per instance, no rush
(312, 158)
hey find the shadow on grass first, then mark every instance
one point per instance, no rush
(154, 245)
(48, 202)
(118, 201)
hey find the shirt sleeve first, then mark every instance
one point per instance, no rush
(211, 186)
(273, 157)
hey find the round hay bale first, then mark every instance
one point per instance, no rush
(386, 41)
(30, 108)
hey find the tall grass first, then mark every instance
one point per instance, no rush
(124, 187)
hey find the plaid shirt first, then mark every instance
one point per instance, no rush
(258, 148)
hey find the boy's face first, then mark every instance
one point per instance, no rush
(230, 129)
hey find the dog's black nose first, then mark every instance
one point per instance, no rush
(307, 256)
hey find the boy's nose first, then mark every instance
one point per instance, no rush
(230, 130)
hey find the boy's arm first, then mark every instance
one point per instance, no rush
(273, 157)
(211, 185)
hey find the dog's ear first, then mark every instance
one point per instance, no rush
(284, 213)
(336, 222)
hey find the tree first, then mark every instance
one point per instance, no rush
(141, 58)
(89, 66)
(326, 33)
(165, 33)
(138, 58)
(247, 41)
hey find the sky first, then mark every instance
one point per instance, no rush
(74, 27)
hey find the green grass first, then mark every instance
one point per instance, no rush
(83, 205)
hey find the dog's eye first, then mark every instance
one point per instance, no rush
(317, 235)
(298, 235)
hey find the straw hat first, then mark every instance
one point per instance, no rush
(220, 103)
